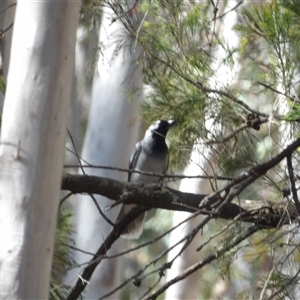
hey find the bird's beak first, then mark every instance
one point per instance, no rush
(171, 122)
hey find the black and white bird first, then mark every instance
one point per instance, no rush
(149, 155)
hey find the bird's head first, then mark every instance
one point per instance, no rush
(159, 128)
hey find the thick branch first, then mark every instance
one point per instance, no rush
(255, 211)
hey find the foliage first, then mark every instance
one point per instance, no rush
(2, 85)
(90, 14)
(62, 256)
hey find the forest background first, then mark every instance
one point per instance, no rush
(80, 83)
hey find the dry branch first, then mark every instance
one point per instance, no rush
(261, 212)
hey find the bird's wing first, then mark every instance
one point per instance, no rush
(167, 163)
(165, 167)
(134, 157)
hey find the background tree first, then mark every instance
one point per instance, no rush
(112, 130)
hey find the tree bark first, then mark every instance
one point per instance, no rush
(32, 143)
(266, 213)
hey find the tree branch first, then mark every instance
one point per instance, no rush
(262, 213)
(248, 232)
(292, 180)
(153, 196)
(100, 254)
(87, 165)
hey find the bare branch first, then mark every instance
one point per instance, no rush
(235, 241)
(237, 130)
(287, 284)
(293, 98)
(126, 13)
(100, 210)
(83, 172)
(292, 180)
(153, 240)
(7, 7)
(149, 173)
(64, 199)
(229, 11)
(136, 277)
(100, 254)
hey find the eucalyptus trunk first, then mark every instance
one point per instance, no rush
(32, 143)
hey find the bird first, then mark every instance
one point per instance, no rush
(151, 154)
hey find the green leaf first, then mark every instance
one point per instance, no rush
(2, 85)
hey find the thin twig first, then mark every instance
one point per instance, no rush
(235, 241)
(7, 28)
(129, 11)
(116, 203)
(152, 287)
(78, 157)
(7, 7)
(292, 181)
(261, 297)
(152, 262)
(232, 9)
(188, 239)
(91, 195)
(140, 26)
(76, 152)
(155, 239)
(64, 199)
(100, 211)
(215, 11)
(75, 248)
(149, 173)
(293, 98)
(111, 238)
(231, 135)
(284, 286)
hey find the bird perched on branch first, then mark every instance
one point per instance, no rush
(149, 155)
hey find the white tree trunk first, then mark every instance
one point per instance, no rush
(191, 287)
(86, 47)
(112, 131)
(32, 143)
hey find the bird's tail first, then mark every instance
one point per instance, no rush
(135, 228)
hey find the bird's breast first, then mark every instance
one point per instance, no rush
(153, 163)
